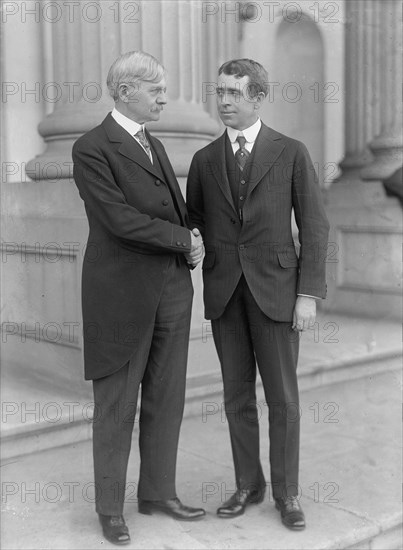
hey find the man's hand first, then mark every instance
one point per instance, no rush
(196, 254)
(304, 313)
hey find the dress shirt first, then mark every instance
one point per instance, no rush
(130, 126)
(250, 134)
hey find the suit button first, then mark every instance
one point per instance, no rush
(233, 220)
(241, 246)
(241, 198)
(184, 245)
(243, 182)
(157, 183)
(165, 202)
(178, 243)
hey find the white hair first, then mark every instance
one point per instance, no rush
(131, 67)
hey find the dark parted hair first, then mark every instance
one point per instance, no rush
(258, 76)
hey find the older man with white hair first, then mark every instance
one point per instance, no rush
(136, 295)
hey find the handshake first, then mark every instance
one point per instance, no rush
(196, 254)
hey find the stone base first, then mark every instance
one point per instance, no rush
(364, 255)
(46, 403)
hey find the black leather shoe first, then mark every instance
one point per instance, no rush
(292, 515)
(115, 529)
(173, 507)
(235, 506)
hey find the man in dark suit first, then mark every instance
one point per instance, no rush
(136, 295)
(258, 293)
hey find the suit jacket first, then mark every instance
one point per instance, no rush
(135, 230)
(282, 178)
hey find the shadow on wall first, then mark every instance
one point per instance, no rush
(393, 185)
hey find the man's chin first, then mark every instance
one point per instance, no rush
(227, 119)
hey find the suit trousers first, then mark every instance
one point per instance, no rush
(244, 336)
(159, 365)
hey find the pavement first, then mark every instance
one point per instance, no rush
(350, 481)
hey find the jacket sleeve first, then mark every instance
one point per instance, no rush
(312, 224)
(194, 196)
(107, 203)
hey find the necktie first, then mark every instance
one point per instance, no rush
(144, 142)
(242, 154)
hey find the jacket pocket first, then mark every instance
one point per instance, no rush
(287, 259)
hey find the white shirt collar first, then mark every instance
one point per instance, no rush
(127, 123)
(250, 133)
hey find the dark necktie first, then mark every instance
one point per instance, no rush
(144, 142)
(242, 154)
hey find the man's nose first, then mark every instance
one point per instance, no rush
(223, 99)
(162, 98)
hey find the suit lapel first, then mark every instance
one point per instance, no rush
(133, 151)
(129, 146)
(218, 169)
(167, 170)
(268, 148)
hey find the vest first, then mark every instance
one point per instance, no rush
(238, 180)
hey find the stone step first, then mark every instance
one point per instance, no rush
(38, 415)
(385, 539)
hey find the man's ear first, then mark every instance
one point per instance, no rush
(128, 91)
(123, 92)
(259, 100)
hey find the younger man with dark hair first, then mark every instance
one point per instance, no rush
(258, 293)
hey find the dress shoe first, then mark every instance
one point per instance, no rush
(115, 529)
(173, 507)
(292, 515)
(235, 506)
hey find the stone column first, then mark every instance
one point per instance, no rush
(83, 39)
(387, 145)
(184, 126)
(87, 39)
(221, 37)
(359, 84)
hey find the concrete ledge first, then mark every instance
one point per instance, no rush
(389, 539)
(22, 442)
(40, 412)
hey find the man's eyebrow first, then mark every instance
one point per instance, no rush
(229, 88)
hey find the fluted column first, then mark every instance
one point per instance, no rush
(387, 145)
(359, 82)
(185, 125)
(84, 41)
(221, 42)
(80, 49)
